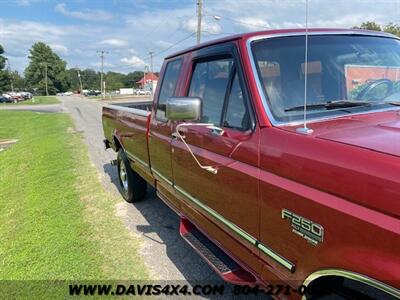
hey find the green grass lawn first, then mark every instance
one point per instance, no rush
(37, 100)
(56, 220)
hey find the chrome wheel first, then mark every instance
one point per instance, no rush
(123, 176)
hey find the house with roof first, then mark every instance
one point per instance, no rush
(148, 82)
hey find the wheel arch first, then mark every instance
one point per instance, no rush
(116, 142)
(340, 273)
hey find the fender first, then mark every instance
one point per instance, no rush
(116, 137)
(353, 276)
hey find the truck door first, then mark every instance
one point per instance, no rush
(160, 132)
(229, 198)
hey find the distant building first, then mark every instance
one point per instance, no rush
(357, 75)
(145, 82)
(126, 91)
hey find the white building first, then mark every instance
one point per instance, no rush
(148, 82)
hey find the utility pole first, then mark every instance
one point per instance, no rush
(102, 83)
(151, 61)
(79, 77)
(144, 77)
(199, 9)
(151, 70)
(45, 78)
(10, 74)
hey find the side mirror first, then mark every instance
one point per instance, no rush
(184, 109)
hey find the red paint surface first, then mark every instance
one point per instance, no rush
(345, 176)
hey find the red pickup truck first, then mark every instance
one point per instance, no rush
(262, 201)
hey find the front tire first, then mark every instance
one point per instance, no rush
(133, 187)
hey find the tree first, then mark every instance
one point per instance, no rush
(18, 82)
(370, 26)
(132, 78)
(90, 79)
(4, 76)
(73, 79)
(43, 59)
(392, 28)
(389, 28)
(115, 81)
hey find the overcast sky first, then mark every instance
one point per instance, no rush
(129, 29)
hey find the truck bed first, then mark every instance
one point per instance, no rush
(144, 105)
(125, 125)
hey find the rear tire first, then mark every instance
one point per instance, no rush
(133, 187)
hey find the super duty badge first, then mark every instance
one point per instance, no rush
(312, 232)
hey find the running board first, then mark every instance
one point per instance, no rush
(224, 265)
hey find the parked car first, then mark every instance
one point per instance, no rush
(142, 92)
(16, 97)
(92, 93)
(26, 95)
(7, 98)
(4, 99)
(264, 196)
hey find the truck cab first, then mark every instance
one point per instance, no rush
(261, 199)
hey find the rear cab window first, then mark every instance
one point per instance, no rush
(168, 86)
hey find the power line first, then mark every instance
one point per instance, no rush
(170, 35)
(152, 54)
(174, 32)
(237, 21)
(176, 43)
(159, 52)
(158, 25)
(214, 33)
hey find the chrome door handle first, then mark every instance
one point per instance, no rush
(214, 130)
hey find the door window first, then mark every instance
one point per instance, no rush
(209, 82)
(168, 86)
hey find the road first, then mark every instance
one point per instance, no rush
(166, 254)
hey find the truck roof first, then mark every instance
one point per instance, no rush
(283, 32)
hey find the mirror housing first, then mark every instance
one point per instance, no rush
(184, 109)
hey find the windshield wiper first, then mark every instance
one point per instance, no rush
(331, 105)
(397, 103)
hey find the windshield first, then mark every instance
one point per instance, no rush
(346, 74)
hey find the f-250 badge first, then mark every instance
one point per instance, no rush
(312, 232)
